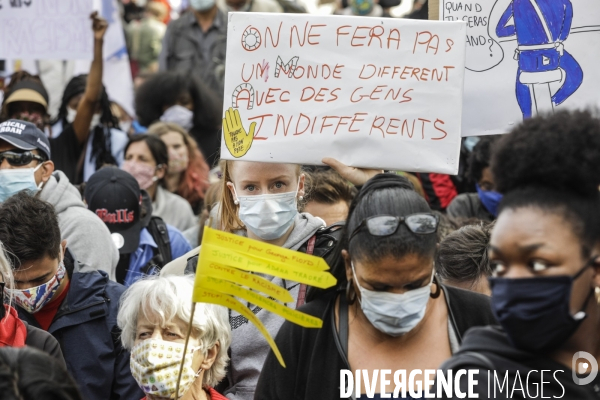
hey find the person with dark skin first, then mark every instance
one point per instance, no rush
(545, 255)
(394, 314)
(26, 99)
(482, 205)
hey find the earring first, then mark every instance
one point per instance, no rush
(350, 293)
(301, 198)
(597, 292)
(236, 202)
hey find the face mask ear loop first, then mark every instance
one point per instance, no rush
(235, 200)
(357, 284)
(34, 171)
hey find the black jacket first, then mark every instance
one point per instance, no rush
(489, 351)
(42, 340)
(313, 360)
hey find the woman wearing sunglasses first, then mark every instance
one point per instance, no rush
(545, 255)
(394, 314)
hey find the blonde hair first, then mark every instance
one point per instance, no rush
(228, 212)
(169, 297)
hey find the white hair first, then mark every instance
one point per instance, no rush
(170, 297)
(7, 276)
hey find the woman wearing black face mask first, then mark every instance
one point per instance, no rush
(545, 254)
(394, 314)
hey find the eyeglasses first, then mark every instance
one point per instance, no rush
(19, 159)
(386, 225)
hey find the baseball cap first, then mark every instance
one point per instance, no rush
(114, 195)
(28, 91)
(25, 136)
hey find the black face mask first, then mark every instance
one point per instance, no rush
(534, 312)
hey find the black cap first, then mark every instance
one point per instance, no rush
(114, 195)
(25, 136)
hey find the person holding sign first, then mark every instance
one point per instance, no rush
(155, 314)
(260, 201)
(27, 100)
(394, 314)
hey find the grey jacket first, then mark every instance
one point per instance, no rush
(468, 205)
(86, 235)
(182, 50)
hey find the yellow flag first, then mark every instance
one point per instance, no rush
(226, 264)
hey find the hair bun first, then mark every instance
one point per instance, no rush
(560, 151)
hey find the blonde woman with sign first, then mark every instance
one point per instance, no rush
(261, 201)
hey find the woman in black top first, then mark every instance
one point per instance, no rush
(394, 314)
(545, 253)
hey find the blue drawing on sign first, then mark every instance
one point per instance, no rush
(541, 27)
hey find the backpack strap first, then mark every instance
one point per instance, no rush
(310, 248)
(158, 229)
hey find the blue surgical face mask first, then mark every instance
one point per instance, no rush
(202, 5)
(268, 216)
(534, 312)
(489, 199)
(394, 313)
(15, 180)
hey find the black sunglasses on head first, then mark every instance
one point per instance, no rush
(19, 159)
(386, 225)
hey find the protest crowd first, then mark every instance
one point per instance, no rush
(104, 205)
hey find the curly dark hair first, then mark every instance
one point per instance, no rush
(30, 374)
(29, 229)
(162, 90)
(480, 157)
(553, 163)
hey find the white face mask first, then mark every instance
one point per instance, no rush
(155, 366)
(179, 115)
(268, 216)
(394, 313)
(71, 114)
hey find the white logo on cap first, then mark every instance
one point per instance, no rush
(44, 145)
(12, 127)
(118, 240)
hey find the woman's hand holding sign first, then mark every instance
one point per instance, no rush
(237, 140)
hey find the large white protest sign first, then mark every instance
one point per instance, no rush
(371, 92)
(45, 29)
(526, 57)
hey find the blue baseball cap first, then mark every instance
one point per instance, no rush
(25, 136)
